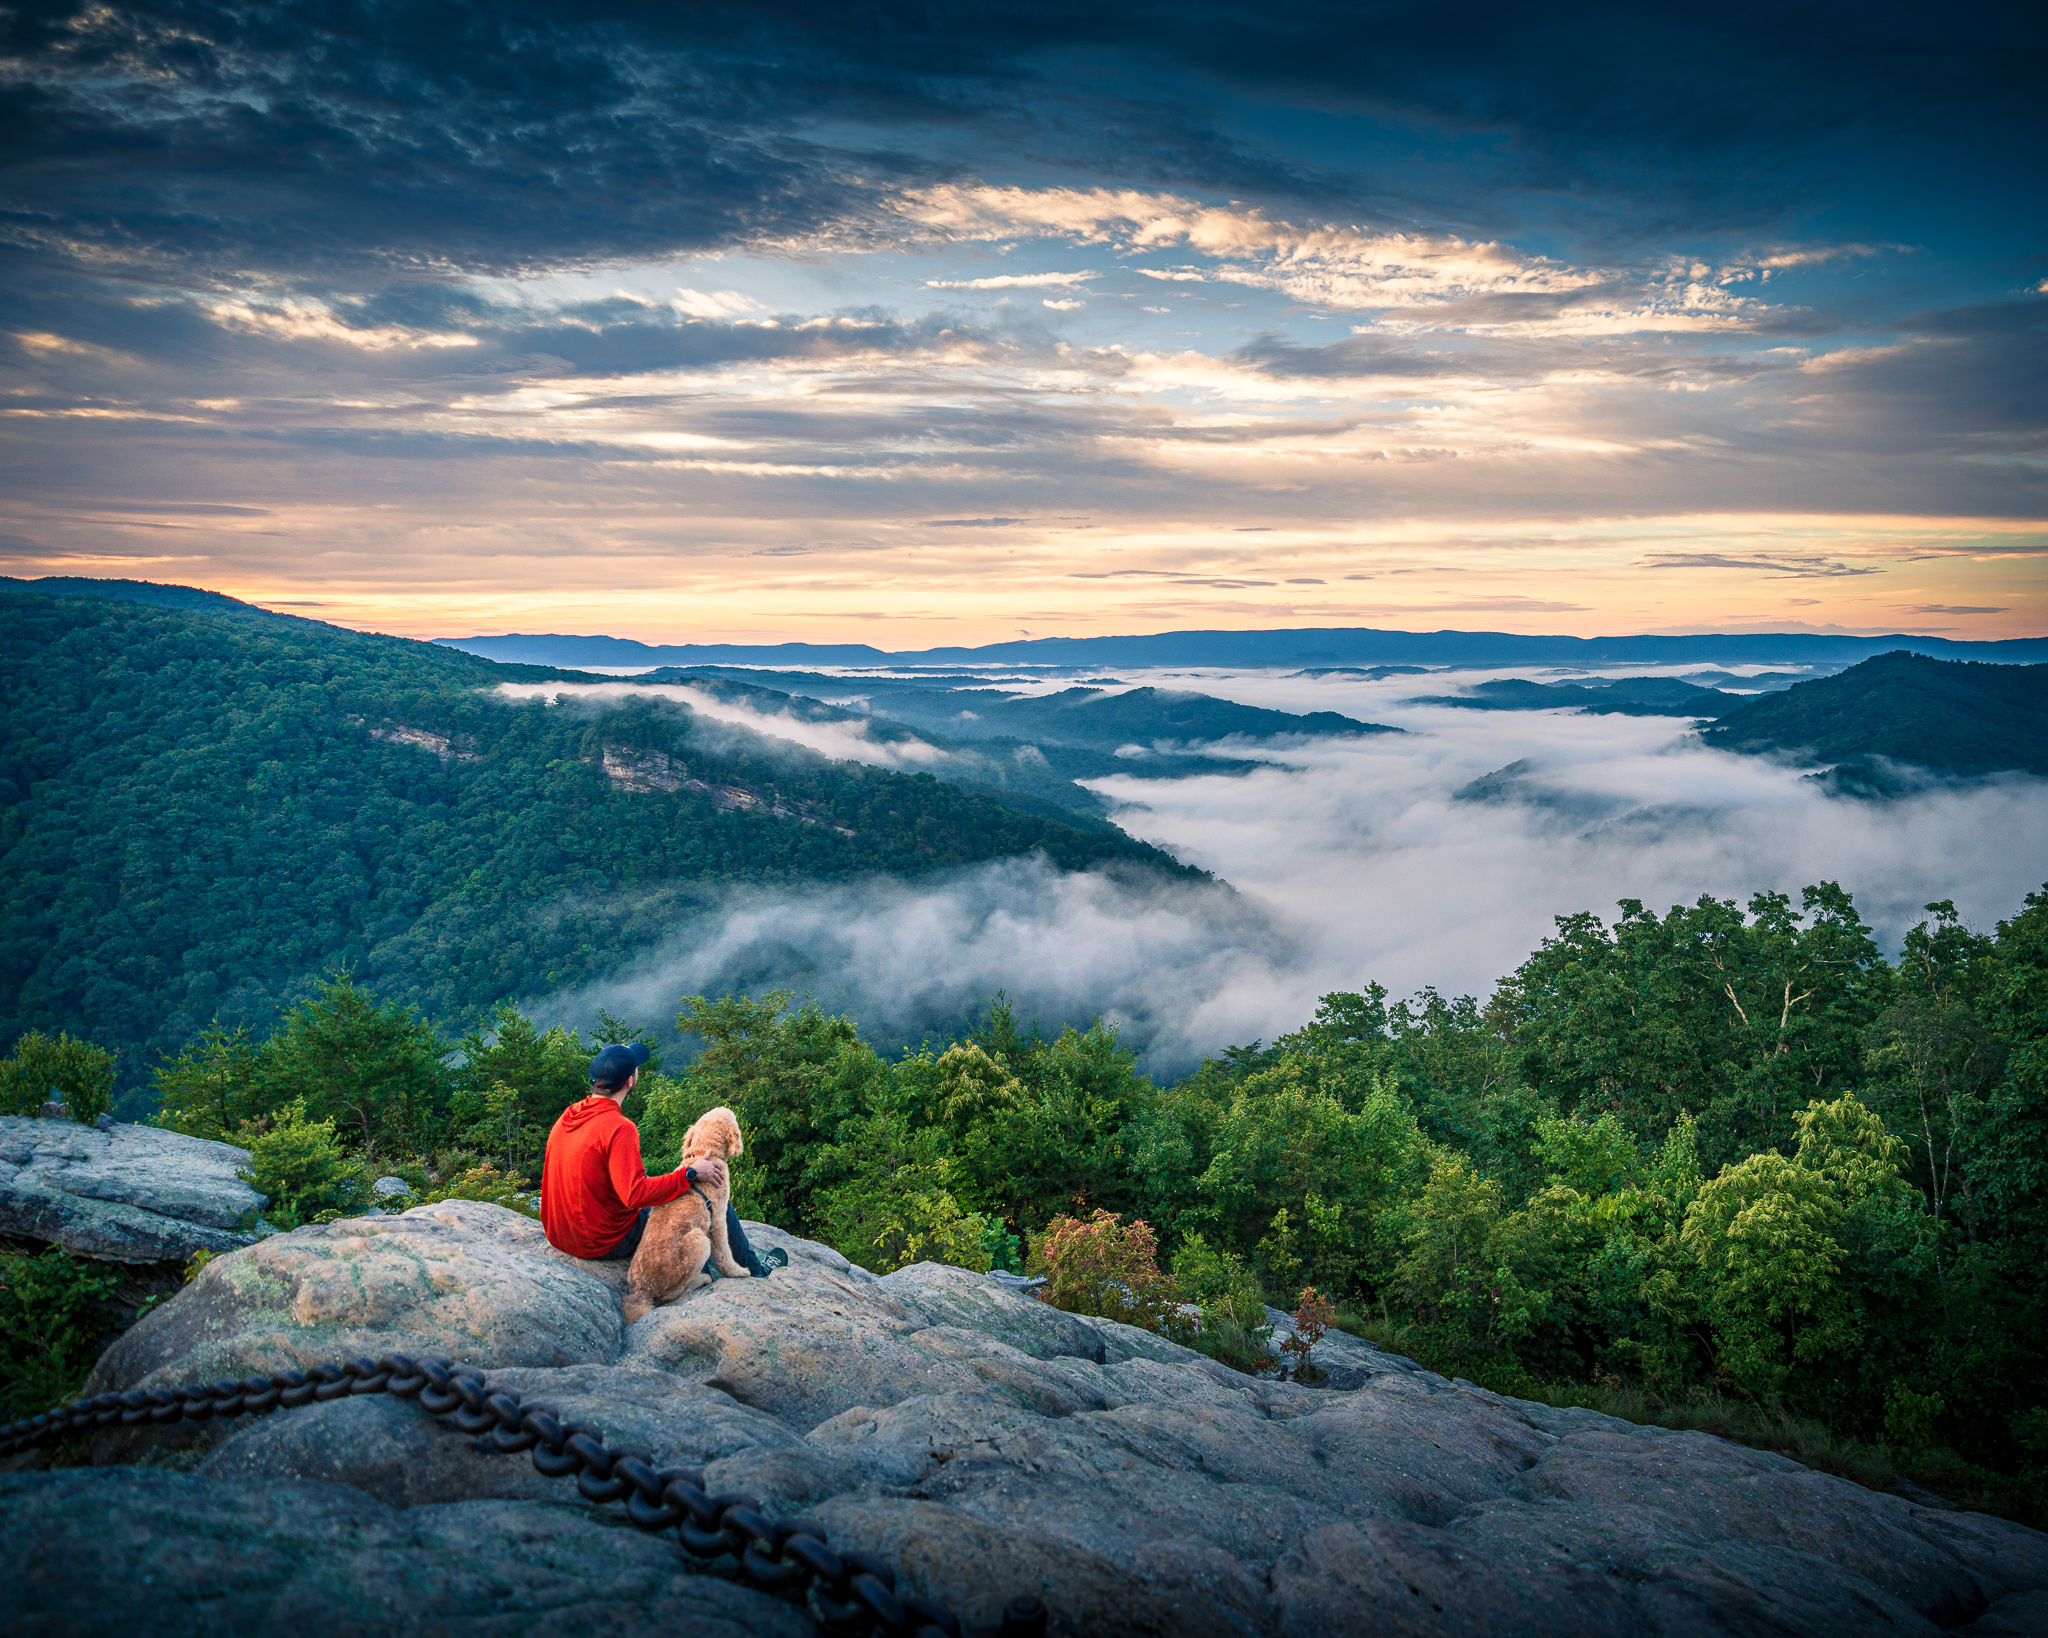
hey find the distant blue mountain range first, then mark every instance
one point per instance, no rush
(1305, 646)
(1302, 646)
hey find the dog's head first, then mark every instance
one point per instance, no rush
(717, 1132)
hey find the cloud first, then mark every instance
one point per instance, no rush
(1328, 263)
(715, 304)
(1947, 608)
(232, 140)
(290, 318)
(840, 741)
(1014, 281)
(1791, 567)
(1348, 862)
(1065, 306)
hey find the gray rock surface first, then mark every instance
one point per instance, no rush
(986, 1443)
(130, 1194)
(120, 1552)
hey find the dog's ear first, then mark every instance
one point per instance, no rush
(728, 1127)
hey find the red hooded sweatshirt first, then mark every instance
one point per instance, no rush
(594, 1183)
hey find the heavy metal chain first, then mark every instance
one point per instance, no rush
(847, 1593)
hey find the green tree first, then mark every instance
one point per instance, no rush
(1739, 1020)
(1289, 1143)
(793, 1075)
(1933, 1061)
(1797, 1252)
(1048, 1132)
(299, 1165)
(213, 1087)
(73, 1072)
(2011, 1167)
(1765, 1233)
(1462, 1269)
(511, 1081)
(378, 1072)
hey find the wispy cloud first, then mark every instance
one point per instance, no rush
(840, 741)
(715, 304)
(1014, 281)
(1792, 568)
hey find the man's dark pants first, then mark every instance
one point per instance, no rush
(736, 1237)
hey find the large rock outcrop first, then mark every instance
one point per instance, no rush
(130, 1194)
(987, 1444)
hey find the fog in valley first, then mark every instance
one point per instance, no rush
(1439, 856)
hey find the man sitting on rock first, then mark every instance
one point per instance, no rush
(595, 1193)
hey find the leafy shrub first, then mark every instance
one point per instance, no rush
(1230, 1324)
(1108, 1268)
(1312, 1321)
(77, 1072)
(52, 1316)
(1001, 1246)
(1909, 1419)
(299, 1164)
(1461, 1272)
(486, 1182)
(929, 1226)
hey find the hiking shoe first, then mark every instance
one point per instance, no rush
(776, 1258)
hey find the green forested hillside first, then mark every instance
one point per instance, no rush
(201, 812)
(1629, 697)
(1081, 716)
(1954, 716)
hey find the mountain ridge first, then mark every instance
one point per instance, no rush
(1955, 717)
(1304, 646)
(1294, 645)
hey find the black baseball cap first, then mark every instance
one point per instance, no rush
(614, 1065)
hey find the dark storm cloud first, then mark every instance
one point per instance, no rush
(360, 138)
(402, 136)
(1978, 372)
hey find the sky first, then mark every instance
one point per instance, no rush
(923, 324)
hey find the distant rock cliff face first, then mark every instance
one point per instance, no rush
(132, 1194)
(986, 1444)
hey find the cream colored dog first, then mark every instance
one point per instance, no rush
(680, 1235)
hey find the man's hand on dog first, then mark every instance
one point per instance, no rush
(710, 1173)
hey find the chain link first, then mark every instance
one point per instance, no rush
(849, 1594)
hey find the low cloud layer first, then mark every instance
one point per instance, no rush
(1350, 862)
(841, 741)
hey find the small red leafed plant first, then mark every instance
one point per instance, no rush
(1106, 1267)
(1312, 1322)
